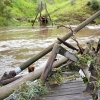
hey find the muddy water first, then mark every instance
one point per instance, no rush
(18, 44)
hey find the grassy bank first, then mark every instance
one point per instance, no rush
(23, 12)
(68, 13)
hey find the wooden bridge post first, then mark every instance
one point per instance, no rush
(49, 64)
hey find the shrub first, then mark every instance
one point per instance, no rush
(94, 4)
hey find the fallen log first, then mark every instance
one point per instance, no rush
(67, 44)
(7, 81)
(48, 49)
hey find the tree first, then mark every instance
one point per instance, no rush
(5, 11)
(94, 4)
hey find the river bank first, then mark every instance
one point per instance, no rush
(61, 12)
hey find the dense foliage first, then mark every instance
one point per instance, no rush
(94, 4)
(12, 9)
(5, 11)
(30, 90)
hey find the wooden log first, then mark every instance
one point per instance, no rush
(67, 44)
(49, 48)
(7, 81)
(6, 75)
(49, 64)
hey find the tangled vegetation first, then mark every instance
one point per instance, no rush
(94, 58)
(56, 77)
(5, 12)
(83, 60)
(31, 90)
(94, 4)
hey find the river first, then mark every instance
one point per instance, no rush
(18, 44)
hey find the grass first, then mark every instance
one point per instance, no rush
(61, 11)
(22, 8)
(72, 14)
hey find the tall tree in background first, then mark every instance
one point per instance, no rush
(94, 4)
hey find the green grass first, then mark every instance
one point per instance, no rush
(61, 11)
(72, 14)
(23, 8)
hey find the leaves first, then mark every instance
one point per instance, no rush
(94, 4)
(31, 90)
(83, 60)
(55, 78)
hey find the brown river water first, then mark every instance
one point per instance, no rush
(18, 44)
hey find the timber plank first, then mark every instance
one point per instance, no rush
(71, 90)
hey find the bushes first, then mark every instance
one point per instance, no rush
(94, 4)
(5, 12)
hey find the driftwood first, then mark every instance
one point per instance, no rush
(86, 69)
(81, 50)
(5, 76)
(10, 77)
(7, 81)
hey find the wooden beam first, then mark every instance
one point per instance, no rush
(48, 67)
(7, 81)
